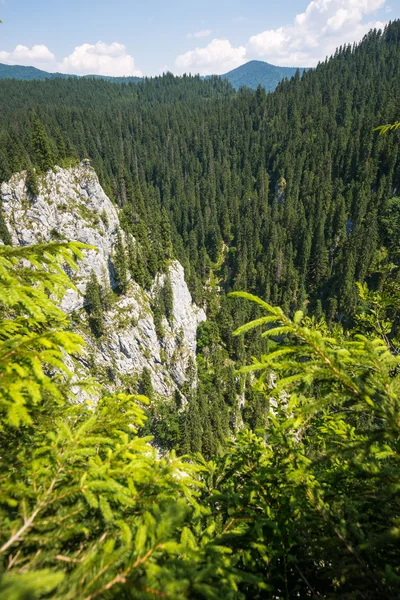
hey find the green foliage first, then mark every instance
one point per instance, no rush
(291, 196)
(316, 495)
(32, 185)
(5, 235)
(196, 167)
(146, 383)
(158, 309)
(390, 225)
(32, 340)
(93, 299)
(306, 507)
(388, 127)
(120, 266)
(41, 147)
(86, 506)
(168, 299)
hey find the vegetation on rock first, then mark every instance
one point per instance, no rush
(278, 474)
(306, 507)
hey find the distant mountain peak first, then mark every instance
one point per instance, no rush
(258, 72)
(251, 74)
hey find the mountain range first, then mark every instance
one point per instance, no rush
(251, 74)
(204, 402)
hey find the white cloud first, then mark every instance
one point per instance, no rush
(37, 56)
(216, 58)
(316, 33)
(87, 59)
(100, 59)
(200, 34)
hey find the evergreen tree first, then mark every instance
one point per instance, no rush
(168, 298)
(41, 146)
(94, 305)
(5, 235)
(32, 186)
(326, 466)
(146, 383)
(120, 266)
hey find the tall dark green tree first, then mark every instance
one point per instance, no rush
(146, 383)
(41, 147)
(120, 264)
(94, 306)
(32, 185)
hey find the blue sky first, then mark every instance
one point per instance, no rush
(126, 37)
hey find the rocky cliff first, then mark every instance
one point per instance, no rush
(72, 205)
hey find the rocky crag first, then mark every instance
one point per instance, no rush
(72, 205)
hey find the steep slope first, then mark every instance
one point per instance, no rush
(294, 186)
(72, 205)
(258, 72)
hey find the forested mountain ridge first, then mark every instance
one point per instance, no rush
(258, 72)
(289, 195)
(23, 73)
(278, 475)
(26, 73)
(251, 74)
(311, 143)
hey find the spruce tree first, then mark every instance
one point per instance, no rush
(41, 147)
(32, 186)
(94, 306)
(168, 298)
(5, 235)
(146, 383)
(120, 266)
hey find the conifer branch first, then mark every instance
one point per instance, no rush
(17, 537)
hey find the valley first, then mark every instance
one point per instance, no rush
(200, 332)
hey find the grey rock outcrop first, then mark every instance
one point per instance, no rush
(72, 205)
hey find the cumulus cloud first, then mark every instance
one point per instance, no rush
(37, 56)
(316, 33)
(216, 58)
(200, 34)
(100, 59)
(87, 59)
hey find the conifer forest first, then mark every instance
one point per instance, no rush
(273, 470)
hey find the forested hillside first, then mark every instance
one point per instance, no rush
(287, 195)
(287, 181)
(21, 72)
(257, 72)
(251, 74)
(277, 476)
(25, 73)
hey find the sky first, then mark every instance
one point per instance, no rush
(149, 37)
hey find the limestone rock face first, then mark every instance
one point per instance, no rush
(180, 335)
(72, 205)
